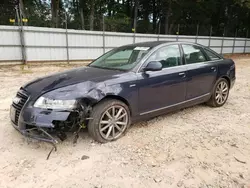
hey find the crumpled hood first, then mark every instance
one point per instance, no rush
(70, 77)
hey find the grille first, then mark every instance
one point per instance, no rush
(24, 97)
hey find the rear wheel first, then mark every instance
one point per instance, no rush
(220, 93)
(111, 118)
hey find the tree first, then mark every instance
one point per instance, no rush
(147, 16)
(54, 12)
(7, 9)
(92, 15)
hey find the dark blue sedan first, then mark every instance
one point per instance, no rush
(127, 84)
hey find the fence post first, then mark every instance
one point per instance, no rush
(67, 39)
(197, 33)
(210, 35)
(103, 33)
(234, 41)
(222, 45)
(134, 29)
(159, 31)
(134, 37)
(21, 31)
(245, 42)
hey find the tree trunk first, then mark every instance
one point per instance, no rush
(109, 8)
(128, 8)
(22, 10)
(159, 26)
(54, 10)
(92, 15)
(171, 28)
(135, 14)
(154, 17)
(167, 15)
(82, 18)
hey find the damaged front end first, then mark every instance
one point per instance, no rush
(48, 125)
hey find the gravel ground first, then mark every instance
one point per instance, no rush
(194, 147)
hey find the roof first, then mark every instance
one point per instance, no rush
(153, 44)
(149, 44)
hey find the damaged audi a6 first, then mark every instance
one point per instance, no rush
(125, 85)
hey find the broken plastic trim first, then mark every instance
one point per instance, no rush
(47, 138)
(54, 142)
(83, 113)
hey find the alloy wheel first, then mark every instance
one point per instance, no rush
(113, 122)
(221, 92)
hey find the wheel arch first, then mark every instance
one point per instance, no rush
(116, 97)
(228, 80)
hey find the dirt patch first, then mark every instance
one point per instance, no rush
(194, 147)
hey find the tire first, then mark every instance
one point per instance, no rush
(220, 93)
(102, 127)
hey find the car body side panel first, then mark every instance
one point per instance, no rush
(171, 108)
(201, 78)
(124, 87)
(226, 68)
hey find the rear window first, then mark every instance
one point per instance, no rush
(212, 55)
(193, 54)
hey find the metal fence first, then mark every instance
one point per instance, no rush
(36, 44)
(70, 42)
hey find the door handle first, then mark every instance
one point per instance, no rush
(182, 74)
(213, 69)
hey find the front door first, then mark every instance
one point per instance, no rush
(201, 74)
(160, 89)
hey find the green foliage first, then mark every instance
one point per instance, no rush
(118, 24)
(7, 11)
(153, 16)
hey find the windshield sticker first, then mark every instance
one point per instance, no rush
(141, 48)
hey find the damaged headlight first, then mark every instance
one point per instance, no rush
(47, 103)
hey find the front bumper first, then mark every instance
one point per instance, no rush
(38, 123)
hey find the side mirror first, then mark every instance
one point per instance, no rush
(153, 66)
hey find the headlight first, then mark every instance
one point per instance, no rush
(47, 103)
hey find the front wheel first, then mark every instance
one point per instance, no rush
(220, 93)
(111, 118)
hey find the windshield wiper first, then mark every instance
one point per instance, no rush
(123, 70)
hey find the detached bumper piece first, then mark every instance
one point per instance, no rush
(40, 134)
(37, 133)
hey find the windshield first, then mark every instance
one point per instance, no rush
(124, 58)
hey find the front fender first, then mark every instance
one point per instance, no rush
(77, 91)
(91, 93)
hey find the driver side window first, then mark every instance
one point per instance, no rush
(168, 56)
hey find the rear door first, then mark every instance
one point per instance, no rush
(201, 72)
